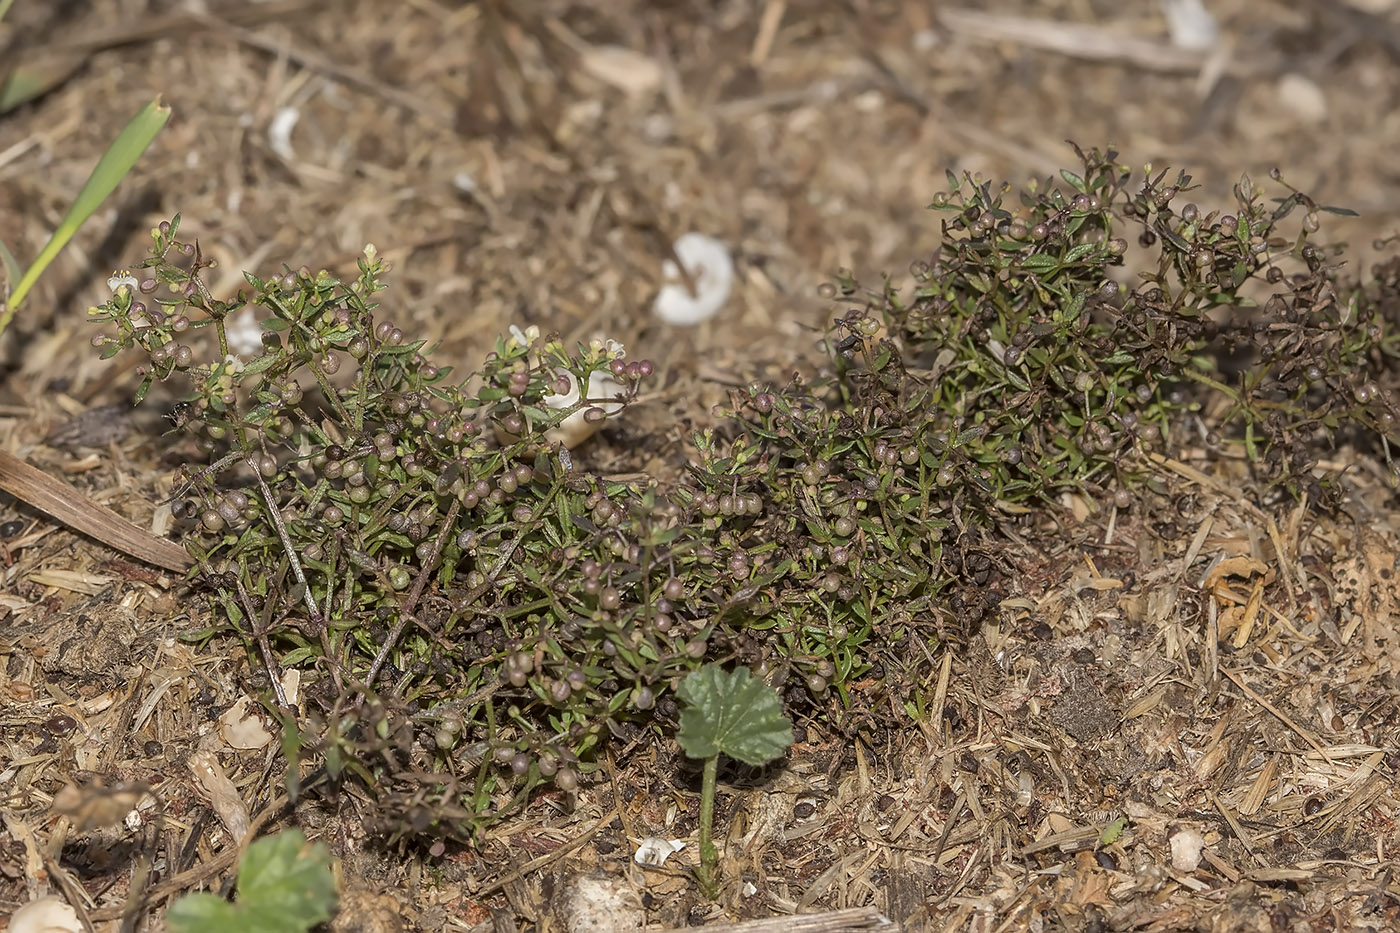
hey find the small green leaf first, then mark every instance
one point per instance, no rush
(1339, 211)
(1110, 833)
(286, 871)
(1079, 252)
(33, 80)
(201, 911)
(284, 886)
(732, 713)
(1040, 262)
(1074, 180)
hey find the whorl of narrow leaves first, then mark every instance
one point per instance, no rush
(733, 713)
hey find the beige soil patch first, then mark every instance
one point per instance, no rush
(1148, 737)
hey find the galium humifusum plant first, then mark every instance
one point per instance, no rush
(475, 604)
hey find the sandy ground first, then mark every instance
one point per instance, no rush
(531, 163)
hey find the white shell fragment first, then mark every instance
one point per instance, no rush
(712, 270)
(46, 915)
(291, 685)
(241, 727)
(576, 428)
(279, 132)
(1186, 850)
(654, 851)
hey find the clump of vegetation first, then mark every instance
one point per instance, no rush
(1044, 369)
(479, 609)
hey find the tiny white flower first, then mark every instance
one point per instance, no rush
(122, 278)
(523, 338)
(609, 348)
(233, 364)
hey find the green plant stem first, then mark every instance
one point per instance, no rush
(709, 855)
(406, 610)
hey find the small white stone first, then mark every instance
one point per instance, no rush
(1303, 97)
(925, 40)
(46, 915)
(1190, 24)
(624, 69)
(712, 270)
(1186, 850)
(601, 903)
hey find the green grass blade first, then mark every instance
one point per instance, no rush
(7, 258)
(115, 163)
(31, 80)
(5, 7)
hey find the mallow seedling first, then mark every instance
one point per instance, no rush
(734, 714)
(284, 886)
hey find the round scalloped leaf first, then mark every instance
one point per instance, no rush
(285, 885)
(733, 713)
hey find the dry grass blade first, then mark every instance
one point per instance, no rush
(1074, 39)
(66, 504)
(834, 921)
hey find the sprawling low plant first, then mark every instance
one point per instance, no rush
(1044, 365)
(477, 608)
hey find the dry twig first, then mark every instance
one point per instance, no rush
(58, 499)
